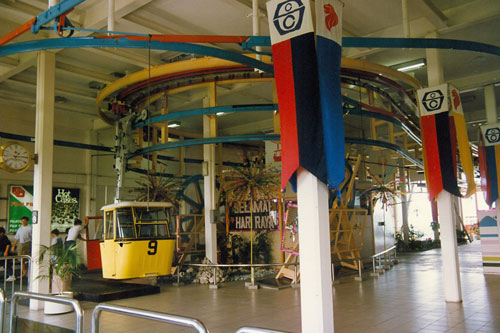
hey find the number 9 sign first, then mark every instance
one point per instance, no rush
(153, 247)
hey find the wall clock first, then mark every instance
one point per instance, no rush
(15, 157)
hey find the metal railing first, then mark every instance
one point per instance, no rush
(13, 268)
(43, 297)
(2, 309)
(158, 316)
(251, 266)
(377, 257)
(247, 329)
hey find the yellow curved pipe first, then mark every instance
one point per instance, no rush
(387, 72)
(208, 62)
(175, 67)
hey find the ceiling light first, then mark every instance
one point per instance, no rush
(410, 65)
(220, 113)
(174, 124)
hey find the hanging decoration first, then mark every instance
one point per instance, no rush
(489, 162)
(312, 135)
(443, 126)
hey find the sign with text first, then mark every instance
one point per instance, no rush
(263, 216)
(65, 206)
(20, 204)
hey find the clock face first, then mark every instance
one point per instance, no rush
(15, 157)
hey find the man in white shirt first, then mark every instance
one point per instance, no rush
(74, 234)
(23, 237)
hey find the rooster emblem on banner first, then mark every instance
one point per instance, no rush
(331, 18)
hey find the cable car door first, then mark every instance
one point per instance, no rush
(108, 246)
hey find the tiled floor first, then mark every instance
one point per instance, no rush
(408, 298)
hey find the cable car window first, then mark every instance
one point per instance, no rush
(109, 225)
(151, 223)
(124, 223)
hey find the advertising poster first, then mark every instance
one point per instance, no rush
(65, 206)
(264, 216)
(20, 204)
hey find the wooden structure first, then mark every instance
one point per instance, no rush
(290, 244)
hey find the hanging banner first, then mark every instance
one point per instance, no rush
(298, 89)
(264, 215)
(439, 141)
(65, 206)
(329, 52)
(20, 204)
(489, 162)
(462, 139)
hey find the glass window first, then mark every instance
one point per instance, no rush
(109, 224)
(124, 223)
(152, 222)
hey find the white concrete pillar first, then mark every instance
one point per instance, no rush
(435, 74)
(209, 130)
(449, 249)
(446, 210)
(490, 104)
(316, 299)
(492, 118)
(42, 178)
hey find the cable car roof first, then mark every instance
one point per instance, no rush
(124, 204)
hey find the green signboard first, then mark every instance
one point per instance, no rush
(20, 204)
(65, 206)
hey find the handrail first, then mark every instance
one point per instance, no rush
(159, 316)
(383, 252)
(247, 329)
(243, 265)
(20, 257)
(374, 257)
(43, 297)
(2, 309)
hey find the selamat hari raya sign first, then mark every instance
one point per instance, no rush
(65, 206)
(264, 215)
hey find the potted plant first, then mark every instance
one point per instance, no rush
(62, 264)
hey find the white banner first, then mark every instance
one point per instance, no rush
(288, 19)
(329, 19)
(456, 102)
(433, 100)
(491, 134)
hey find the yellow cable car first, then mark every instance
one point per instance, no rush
(138, 240)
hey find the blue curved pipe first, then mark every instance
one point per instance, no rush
(79, 42)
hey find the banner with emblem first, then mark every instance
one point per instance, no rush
(298, 89)
(443, 127)
(489, 162)
(329, 52)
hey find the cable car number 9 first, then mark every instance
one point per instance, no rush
(153, 247)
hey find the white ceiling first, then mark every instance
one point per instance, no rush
(457, 19)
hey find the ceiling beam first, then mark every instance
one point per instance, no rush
(433, 14)
(21, 67)
(96, 17)
(125, 57)
(84, 72)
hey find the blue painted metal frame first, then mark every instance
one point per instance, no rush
(82, 42)
(206, 111)
(202, 141)
(53, 12)
(61, 143)
(391, 146)
(415, 43)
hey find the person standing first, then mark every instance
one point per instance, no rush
(74, 234)
(4, 250)
(23, 237)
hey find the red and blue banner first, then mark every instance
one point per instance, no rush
(443, 128)
(329, 52)
(489, 162)
(305, 130)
